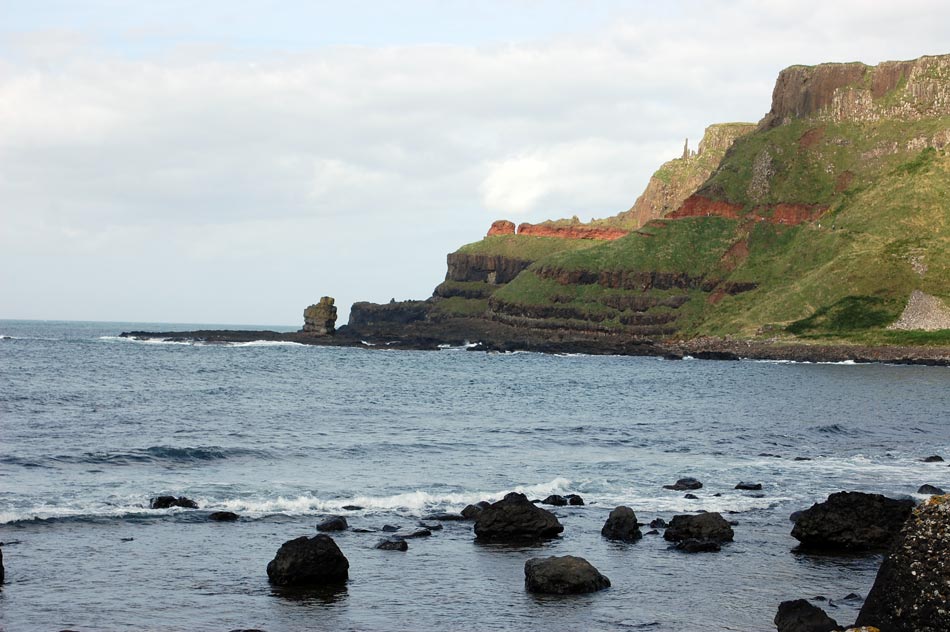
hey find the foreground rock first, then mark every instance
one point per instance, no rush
(851, 521)
(514, 518)
(684, 483)
(622, 525)
(566, 575)
(308, 561)
(333, 523)
(705, 527)
(801, 616)
(912, 590)
(166, 502)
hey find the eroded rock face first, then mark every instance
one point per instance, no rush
(320, 318)
(622, 525)
(912, 590)
(852, 521)
(566, 575)
(308, 561)
(801, 616)
(702, 527)
(514, 518)
(502, 227)
(572, 231)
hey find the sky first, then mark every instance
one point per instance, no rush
(232, 162)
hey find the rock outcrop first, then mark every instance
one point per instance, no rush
(704, 527)
(912, 590)
(622, 525)
(320, 318)
(514, 518)
(166, 502)
(897, 90)
(308, 561)
(572, 231)
(565, 575)
(502, 227)
(801, 616)
(851, 521)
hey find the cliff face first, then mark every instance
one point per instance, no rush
(677, 179)
(894, 90)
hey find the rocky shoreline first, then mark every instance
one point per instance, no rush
(478, 335)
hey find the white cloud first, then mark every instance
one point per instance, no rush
(352, 170)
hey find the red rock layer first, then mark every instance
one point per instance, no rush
(572, 232)
(790, 214)
(699, 206)
(502, 227)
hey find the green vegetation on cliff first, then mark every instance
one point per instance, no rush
(526, 247)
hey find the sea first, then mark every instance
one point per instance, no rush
(92, 426)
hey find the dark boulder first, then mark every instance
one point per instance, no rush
(684, 484)
(912, 588)
(555, 500)
(705, 526)
(316, 560)
(801, 616)
(166, 502)
(692, 545)
(930, 489)
(390, 528)
(444, 517)
(351, 508)
(333, 523)
(471, 511)
(691, 497)
(574, 500)
(936, 458)
(514, 518)
(751, 487)
(658, 523)
(622, 525)
(418, 533)
(223, 516)
(431, 527)
(566, 575)
(393, 544)
(851, 521)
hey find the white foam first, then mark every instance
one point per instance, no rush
(265, 343)
(461, 347)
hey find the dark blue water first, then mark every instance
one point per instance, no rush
(92, 426)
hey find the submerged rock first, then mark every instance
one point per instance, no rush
(692, 545)
(912, 590)
(703, 527)
(514, 518)
(801, 616)
(304, 561)
(684, 484)
(333, 523)
(393, 544)
(444, 517)
(166, 502)
(751, 487)
(223, 516)
(565, 575)
(851, 521)
(622, 525)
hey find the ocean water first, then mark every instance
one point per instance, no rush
(92, 426)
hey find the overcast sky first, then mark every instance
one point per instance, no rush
(231, 162)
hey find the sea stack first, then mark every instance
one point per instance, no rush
(320, 319)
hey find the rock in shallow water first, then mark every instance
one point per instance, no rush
(223, 516)
(166, 502)
(710, 527)
(333, 523)
(555, 500)
(801, 616)
(514, 518)
(393, 544)
(751, 487)
(684, 484)
(933, 490)
(566, 575)
(622, 525)
(851, 521)
(308, 561)
(912, 590)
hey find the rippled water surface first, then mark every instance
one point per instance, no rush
(92, 426)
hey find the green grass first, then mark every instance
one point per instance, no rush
(852, 313)
(525, 247)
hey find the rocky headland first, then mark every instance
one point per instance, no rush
(819, 234)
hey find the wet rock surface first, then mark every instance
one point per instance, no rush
(622, 525)
(308, 561)
(223, 516)
(851, 521)
(564, 575)
(704, 527)
(166, 502)
(393, 544)
(684, 484)
(332, 523)
(912, 590)
(514, 518)
(801, 616)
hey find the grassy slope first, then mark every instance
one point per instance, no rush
(524, 247)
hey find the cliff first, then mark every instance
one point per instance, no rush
(820, 224)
